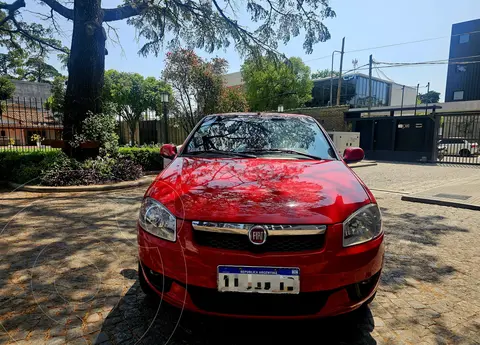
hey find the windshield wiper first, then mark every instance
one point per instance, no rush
(285, 151)
(220, 152)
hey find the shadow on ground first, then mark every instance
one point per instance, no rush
(67, 268)
(138, 319)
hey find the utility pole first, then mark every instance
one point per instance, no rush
(370, 84)
(403, 94)
(416, 99)
(331, 78)
(339, 90)
(426, 104)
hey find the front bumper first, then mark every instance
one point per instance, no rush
(333, 280)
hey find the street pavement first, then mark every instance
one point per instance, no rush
(68, 274)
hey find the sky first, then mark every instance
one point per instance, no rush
(364, 24)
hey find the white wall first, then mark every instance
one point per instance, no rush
(409, 96)
(234, 79)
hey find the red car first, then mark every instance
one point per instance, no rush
(257, 216)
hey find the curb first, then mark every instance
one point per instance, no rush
(146, 180)
(440, 202)
(361, 165)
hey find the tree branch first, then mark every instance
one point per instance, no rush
(242, 33)
(21, 31)
(13, 7)
(59, 8)
(123, 12)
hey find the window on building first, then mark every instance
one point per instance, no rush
(464, 38)
(461, 68)
(458, 96)
(2, 133)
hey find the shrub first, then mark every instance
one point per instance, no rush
(13, 164)
(148, 157)
(54, 168)
(101, 128)
(126, 169)
(93, 171)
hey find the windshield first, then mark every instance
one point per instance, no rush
(256, 134)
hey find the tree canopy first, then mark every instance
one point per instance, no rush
(207, 25)
(429, 97)
(131, 95)
(199, 87)
(7, 88)
(232, 99)
(269, 83)
(56, 101)
(324, 73)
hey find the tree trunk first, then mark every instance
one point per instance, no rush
(133, 127)
(85, 67)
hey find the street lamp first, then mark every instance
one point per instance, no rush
(164, 100)
(280, 108)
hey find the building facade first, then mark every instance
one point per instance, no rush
(355, 90)
(463, 76)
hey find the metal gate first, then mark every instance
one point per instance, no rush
(458, 138)
(396, 138)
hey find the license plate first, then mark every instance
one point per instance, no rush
(274, 280)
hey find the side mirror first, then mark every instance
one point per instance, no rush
(353, 155)
(168, 151)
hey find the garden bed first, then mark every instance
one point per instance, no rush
(143, 181)
(54, 168)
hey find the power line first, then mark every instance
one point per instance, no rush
(397, 44)
(444, 61)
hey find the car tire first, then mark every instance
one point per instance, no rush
(147, 290)
(464, 153)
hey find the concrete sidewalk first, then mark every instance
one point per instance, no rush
(362, 164)
(461, 194)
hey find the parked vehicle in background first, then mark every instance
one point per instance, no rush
(458, 147)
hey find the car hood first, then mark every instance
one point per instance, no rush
(268, 191)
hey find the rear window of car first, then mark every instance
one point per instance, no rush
(246, 133)
(452, 141)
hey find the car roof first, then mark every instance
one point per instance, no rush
(266, 114)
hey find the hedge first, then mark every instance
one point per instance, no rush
(24, 166)
(148, 157)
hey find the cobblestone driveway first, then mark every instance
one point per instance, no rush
(68, 274)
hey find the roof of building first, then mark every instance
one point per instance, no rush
(364, 76)
(28, 117)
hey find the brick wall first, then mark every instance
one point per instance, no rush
(331, 118)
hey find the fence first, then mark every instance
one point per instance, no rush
(396, 138)
(151, 130)
(26, 124)
(458, 137)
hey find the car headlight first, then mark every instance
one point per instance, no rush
(363, 225)
(157, 220)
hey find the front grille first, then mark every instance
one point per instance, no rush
(273, 243)
(307, 303)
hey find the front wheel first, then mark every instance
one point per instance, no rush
(464, 153)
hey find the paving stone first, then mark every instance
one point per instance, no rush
(56, 341)
(429, 292)
(101, 338)
(95, 317)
